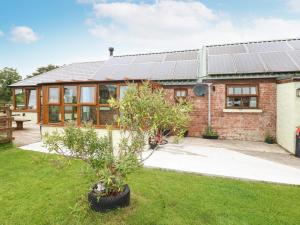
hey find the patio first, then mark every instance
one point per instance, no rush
(227, 158)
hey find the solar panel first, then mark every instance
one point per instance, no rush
(220, 64)
(163, 71)
(186, 70)
(278, 62)
(278, 46)
(248, 63)
(120, 60)
(149, 58)
(188, 55)
(295, 44)
(295, 55)
(226, 49)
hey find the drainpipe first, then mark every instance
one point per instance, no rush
(209, 103)
(202, 74)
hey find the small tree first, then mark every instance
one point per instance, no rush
(143, 111)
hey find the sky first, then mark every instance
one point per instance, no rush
(36, 33)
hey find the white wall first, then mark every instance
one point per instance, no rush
(288, 117)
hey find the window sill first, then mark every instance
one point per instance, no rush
(242, 110)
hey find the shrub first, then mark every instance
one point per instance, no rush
(209, 132)
(143, 112)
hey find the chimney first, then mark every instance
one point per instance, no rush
(111, 51)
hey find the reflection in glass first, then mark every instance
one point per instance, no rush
(70, 113)
(70, 94)
(54, 114)
(19, 96)
(87, 94)
(106, 92)
(88, 114)
(53, 95)
(31, 99)
(107, 116)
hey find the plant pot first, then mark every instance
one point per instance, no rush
(106, 203)
(210, 136)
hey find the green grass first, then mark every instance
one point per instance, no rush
(34, 189)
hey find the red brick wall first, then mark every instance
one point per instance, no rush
(198, 115)
(240, 126)
(245, 126)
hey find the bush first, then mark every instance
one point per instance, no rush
(210, 133)
(143, 112)
(270, 139)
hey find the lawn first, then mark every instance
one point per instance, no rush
(36, 189)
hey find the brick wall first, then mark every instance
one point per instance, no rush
(229, 125)
(198, 115)
(245, 126)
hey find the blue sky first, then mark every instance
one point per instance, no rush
(35, 33)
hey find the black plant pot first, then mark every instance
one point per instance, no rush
(210, 136)
(106, 203)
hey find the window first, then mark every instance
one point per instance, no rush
(31, 99)
(88, 114)
(87, 94)
(70, 113)
(20, 99)
(242, 96)
(180, 94)
(53, 95)
(123, 90)
(70, 94)
(108, 116)
(106, 92)
(54, 114)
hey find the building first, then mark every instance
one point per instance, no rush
(251, 89)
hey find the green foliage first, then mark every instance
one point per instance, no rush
(270, 139)
(42, 69)
(8, 76)
(143, 112)
(146, 111)
(83, 143)
(209, 132)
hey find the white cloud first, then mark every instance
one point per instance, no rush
(1, 33)
(294, 5)
(23, 34)
(167, 25)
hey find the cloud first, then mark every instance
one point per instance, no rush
(167, 25)
(1, 33)
(294, 5)
(23, 34)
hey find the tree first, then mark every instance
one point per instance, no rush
(8, 76)
(42, 69)
(144, 111)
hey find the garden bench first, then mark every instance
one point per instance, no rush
(20, 122)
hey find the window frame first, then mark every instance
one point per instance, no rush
(180, 89)
(25, 99)
(227, 95)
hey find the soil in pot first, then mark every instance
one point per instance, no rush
(106, 203)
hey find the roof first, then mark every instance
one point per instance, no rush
(167, 66)
(73, 72)
(265, 57)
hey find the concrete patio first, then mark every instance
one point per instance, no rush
(228, 158)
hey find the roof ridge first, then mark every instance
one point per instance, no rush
(252, 42)
(156, 53)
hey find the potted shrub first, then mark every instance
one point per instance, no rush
(209, 133)
(143, 112)
(269, 139)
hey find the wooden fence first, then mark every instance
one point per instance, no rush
(6, 128)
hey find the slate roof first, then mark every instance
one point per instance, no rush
(167, 66)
